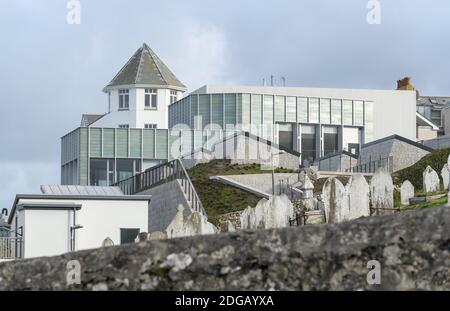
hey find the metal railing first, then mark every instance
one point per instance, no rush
(161, 174)
(286, 186)
(371, 167)
(11, 248)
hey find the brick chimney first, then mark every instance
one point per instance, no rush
(405, 84)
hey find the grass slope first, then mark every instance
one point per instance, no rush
(217, 198)
(413, 173)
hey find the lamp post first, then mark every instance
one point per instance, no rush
(273, 170)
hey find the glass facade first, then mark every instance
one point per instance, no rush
(330, 140)
(308, 144)
(347, 112)
(336, 111)
(325, 111)
(313, 111)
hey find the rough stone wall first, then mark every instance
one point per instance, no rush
(337, 163)
(164, 205)
(234, 218)
(404, 154)
(413, 249)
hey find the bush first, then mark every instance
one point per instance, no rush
(436, 160)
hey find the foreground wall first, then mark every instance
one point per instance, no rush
(413, 249)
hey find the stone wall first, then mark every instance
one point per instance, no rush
(164, 205)
(413, 249)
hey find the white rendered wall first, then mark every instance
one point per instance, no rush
(47, 231)
(137, 115)
(350, 135)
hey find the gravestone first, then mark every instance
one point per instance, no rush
(382, 192)
(358, 196)
(335, 201)
(268, 214)
(431, 182)
(308, 188)
(445, 174)
(406, 192)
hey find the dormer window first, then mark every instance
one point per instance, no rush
(173, 97)
(124, 99)
(151, 99)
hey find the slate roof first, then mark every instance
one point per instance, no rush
(145, 67)
(434, 101)
(88, 119)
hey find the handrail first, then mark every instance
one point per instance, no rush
(285, 186)
(11, 248)
(371, 167)
(161, 174)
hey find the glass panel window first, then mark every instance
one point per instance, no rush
(358, 110)
(336, 111)
(150, 126)
(268, 109)
(126, 168)
(368, 122)
(308, 140)
(124, 99)
(124, 126)
(101, 172)
(291, 109)
(347, 112)
(436, 117)
(246, 109)
(256, 109)
(325, 111)
(280, 109)
(151, 99)
(313, 110)
(330, 140)
(302, 109)
(173, 96)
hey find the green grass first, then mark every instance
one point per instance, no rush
(435, 203)
(413, 173)
(219, 199)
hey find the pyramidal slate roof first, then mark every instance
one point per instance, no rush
(145, 67)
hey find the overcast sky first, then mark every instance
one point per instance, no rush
(52, 72)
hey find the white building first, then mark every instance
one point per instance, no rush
(140, 94)
(66, 219)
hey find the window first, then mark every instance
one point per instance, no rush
(308, 134)
(173, 96)
(124, 99)
(126, 168)
(302, 110)
(336, 114)
(285, 136)
(313, 110)
(151, 99)
(358, 110)
(325, 111)
(436, 117)
(330, 140)
(101, 172)
(150, 126)
(128, 235)
(347, 112)
(124, 126)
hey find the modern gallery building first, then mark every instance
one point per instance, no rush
(149, 121)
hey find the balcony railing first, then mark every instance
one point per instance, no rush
(160, 174)
(11, 248)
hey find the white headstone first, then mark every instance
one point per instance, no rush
(193, 224)
(335, 200)
(382, 192)
(272, 213)
(358, 194)
(431, 182)
(445, 176)
(406, 192)
(107, 242)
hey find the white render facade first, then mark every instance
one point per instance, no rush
(47, 225)
(137, 114)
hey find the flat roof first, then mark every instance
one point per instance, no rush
(74, 197)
